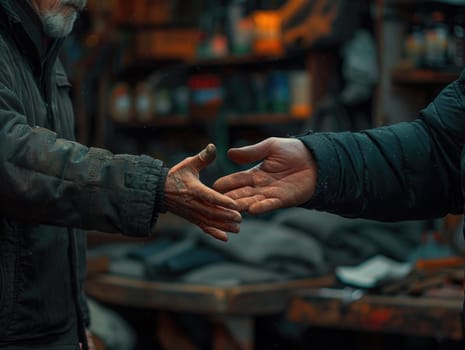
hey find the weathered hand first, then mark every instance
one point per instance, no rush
(286, 176)
(186, 196)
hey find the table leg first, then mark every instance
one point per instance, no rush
(170, 335)
(233, 333)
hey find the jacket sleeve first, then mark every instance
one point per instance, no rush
(409, 170)
(48, 180)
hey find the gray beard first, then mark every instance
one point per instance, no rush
(57, 25)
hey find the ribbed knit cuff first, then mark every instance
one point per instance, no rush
(160, 205)
(328, 174)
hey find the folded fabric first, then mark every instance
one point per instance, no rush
(271, 246)
(127, 268)
(351, 241)
(372, 272)
(144, 252)
(187, 260)
(231, 274)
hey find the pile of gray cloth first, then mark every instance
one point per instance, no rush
(294, 243)
(351, 241)
(262, 251)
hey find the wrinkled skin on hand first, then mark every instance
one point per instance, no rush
(285, 177)
(188, 197)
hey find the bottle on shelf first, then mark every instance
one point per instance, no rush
(300, 92)
(415, 42)
(143, 102)
(121, 103)
(436, 41)
(457, 41)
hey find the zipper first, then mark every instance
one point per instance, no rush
(2, 287)
(46, 81)
(77, 288)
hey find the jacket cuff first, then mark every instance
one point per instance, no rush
(159, 206)
(146, 198)
(328, 173)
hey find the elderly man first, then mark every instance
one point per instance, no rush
(51, 187)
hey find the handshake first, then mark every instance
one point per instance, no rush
(284, 177)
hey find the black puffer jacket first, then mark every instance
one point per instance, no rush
(411, 170)
(51, 186)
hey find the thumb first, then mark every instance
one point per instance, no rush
(249, 154)
(204, 157)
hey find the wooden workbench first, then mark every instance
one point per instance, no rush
(231, 310)
(311, 302)
(439, 318)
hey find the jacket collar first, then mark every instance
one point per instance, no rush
(24, 25)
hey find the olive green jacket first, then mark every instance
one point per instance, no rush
(51, 187)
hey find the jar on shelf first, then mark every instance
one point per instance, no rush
(121, 103)
(457, 41)
(300, 94)
(163, 101)
(143, 102)
(206, 95)
(436, 41)
(181, 100)
(267, 33)
(278, 91)
(415, 43)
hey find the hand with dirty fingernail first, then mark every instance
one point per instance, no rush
(188, 197)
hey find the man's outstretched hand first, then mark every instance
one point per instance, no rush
(188, 197)
(285, 177)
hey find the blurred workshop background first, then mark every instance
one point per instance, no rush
(166, 77)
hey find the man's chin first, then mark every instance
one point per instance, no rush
(59, 25)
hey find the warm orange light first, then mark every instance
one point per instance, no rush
(267, 32)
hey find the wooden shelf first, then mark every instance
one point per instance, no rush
(263, 119)
(172, 121)
(138, 68)
(232, 60)
(175, 121)
(423, 76)
(404, 2)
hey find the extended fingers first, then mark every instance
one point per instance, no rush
(245, 203)
(233, 181)
(214, 232)
(212, 197)
(252, 153)
(200, 212)
(223, 218)
(258, 204)
(264, 206)
(210, 221)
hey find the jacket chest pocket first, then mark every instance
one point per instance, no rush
(62, 108)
